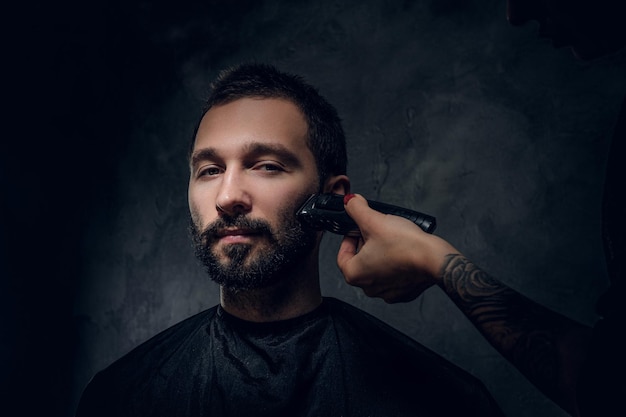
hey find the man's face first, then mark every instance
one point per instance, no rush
(590, 28)
(250, 170)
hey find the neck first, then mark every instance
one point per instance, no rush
(297, 293)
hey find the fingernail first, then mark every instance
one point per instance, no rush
(347, 198)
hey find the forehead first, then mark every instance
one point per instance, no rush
(267, 120)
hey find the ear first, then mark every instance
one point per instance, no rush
(338, 184)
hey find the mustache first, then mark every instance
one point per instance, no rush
(257, 226)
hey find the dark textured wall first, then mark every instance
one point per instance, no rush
(447, 108)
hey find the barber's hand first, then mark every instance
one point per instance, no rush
(393, 259)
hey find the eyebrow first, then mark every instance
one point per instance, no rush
(251, 150)
(202, 155)
(285, 155)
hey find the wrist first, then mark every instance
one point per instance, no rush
(443, 252)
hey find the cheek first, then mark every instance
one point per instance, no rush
(281, 197)
(195, 217)
(200, 213)
(286, 213)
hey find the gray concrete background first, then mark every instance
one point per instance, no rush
(447, 108)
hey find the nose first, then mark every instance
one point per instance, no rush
(232, 198)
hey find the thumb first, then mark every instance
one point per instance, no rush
(347, 250)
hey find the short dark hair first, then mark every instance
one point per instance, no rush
(325, 137)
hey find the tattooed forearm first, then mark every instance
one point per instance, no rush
(527, 334)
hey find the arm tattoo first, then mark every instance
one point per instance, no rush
(522, 331)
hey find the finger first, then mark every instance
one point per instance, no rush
(358, 209)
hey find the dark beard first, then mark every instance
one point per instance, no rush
(243, 270)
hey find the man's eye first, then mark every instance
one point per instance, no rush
(209, 171)
(270, 167)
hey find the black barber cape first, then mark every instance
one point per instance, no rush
(334, 361)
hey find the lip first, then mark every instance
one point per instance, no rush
(235, 235)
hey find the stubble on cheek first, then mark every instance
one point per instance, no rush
(195, 219)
